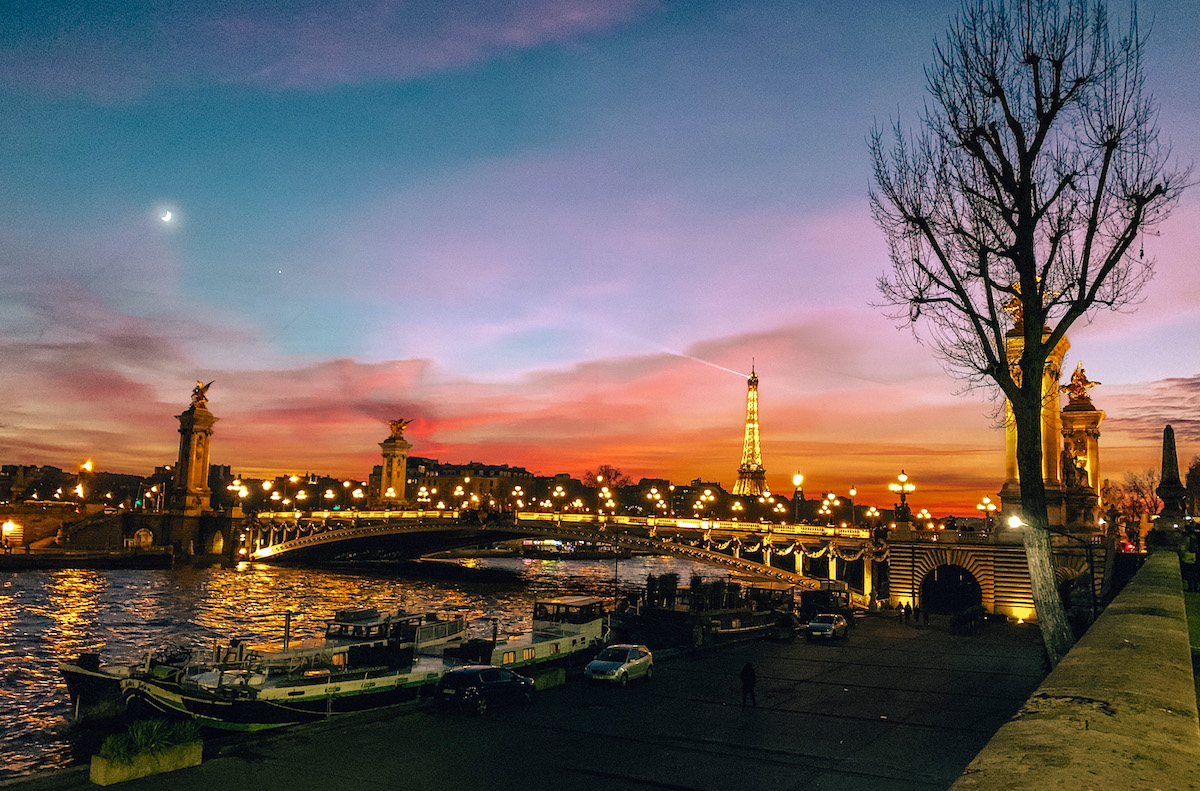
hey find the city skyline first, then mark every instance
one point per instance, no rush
(552, 234)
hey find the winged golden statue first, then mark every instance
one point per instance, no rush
(200, 394)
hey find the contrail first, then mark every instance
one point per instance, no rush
(674, 353)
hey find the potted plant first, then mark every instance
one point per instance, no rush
(145, 748)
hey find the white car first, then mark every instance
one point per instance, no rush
(619, 663)
(829, 625)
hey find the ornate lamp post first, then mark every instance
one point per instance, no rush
(797, 495)
(989, 509)
(903, 487)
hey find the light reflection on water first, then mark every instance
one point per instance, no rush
(46, 616)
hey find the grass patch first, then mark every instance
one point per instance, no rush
(146, 736)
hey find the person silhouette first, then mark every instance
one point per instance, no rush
(749, 679)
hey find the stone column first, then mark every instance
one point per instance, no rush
(1010, 493)
(190, 494)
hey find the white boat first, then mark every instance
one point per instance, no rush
(564, 628)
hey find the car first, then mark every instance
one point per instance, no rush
(827, 624)
(619, 663)
(475, 688)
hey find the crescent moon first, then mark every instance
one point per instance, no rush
(166, 216)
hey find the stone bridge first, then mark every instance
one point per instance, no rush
(802, 555)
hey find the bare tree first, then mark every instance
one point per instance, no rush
(1142, 488)
(1191, 482)
(606, 475)
(1017, 208)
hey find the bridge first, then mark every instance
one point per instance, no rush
(941, 570)
(802, 555)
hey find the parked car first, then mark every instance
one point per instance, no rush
(617, 664)
(476, 687)
(827, 624)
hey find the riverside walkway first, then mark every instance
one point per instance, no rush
(894, 707)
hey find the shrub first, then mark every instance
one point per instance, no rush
(147, 736)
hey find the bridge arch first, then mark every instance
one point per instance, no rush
(950, 588)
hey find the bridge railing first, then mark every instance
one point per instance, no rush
(356, 515)
(698, 525)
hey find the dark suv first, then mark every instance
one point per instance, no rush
(475, 687)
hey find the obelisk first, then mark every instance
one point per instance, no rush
(1168, 525)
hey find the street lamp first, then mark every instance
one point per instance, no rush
(797, 495)
(903, 487)
(989, 509)
(1016, 522)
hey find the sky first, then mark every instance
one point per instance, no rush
(553, 234)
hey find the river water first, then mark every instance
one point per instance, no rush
(46, 616)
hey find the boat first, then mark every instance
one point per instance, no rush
(366, 660)
(95, 687)
(565, 628)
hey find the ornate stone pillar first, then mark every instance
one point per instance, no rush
(190, 494)
(393, 478)
(1081, 429)
(1010, 494)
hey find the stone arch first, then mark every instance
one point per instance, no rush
(950, 588)
(976, 563)
(143, 538)
(214, 543)
(1067, 567)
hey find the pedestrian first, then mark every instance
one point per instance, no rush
(916, 614)
(907, 612)
(7, 546)
(899, 615)
(749, 679)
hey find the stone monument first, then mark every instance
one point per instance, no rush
(393, 478)
(1172, 493)
(1080, 454)
(1052, 431)
(190, 493)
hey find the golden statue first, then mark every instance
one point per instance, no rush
(398, 427)
(200, 394)
(1077, 388)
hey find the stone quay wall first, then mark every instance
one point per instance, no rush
(1119, 712)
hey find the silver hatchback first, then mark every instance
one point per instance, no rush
(619, 663)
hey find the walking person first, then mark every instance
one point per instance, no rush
(907, 612)
(749, 679)
(916, 615)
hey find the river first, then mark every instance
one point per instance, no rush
(46, 616)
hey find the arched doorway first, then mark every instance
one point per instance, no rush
(143, 538)
(214, 543)
(948, 589)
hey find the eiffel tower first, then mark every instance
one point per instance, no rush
(752, 478)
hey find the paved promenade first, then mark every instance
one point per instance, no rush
(893, 707)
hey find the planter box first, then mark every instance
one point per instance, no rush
(105, 772)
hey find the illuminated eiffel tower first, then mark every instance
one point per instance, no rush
(752, 478)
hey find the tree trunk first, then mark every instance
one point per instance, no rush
(1052, 618)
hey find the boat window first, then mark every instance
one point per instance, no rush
(509, 657)
(339, 659)
(554, 649)
(528, 653)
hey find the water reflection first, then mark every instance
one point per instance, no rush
(52, 615)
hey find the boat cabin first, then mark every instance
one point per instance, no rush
(562, 613)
